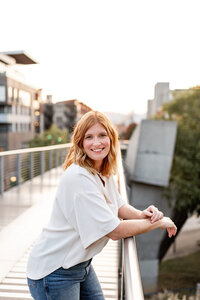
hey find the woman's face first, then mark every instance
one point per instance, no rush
(96, 144)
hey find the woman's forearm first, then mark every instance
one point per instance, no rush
(128, 212)
(128, 228)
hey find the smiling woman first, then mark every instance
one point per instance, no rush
(96, 145)
(86, 213)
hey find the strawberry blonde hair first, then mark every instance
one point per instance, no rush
(77, 154)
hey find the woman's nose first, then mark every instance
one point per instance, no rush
(96, 141)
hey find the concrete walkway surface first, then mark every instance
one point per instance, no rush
(24, 210)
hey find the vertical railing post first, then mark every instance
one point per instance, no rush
(31, 166)
(41, 162)
(61, 154)
(49, 159)
(18, 169)
(1, 175)
(56, 158)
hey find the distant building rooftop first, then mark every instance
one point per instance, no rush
(7, 59)
(21, 57)
(72, 101)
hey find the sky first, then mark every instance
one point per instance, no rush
(108, 54)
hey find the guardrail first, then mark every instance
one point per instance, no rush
(131, 285)
(18, 166)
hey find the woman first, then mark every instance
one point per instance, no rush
(86, 213)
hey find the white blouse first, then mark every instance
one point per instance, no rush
(84, 212)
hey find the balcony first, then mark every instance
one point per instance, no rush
(13, 118)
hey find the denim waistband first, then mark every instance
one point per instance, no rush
(81, 265)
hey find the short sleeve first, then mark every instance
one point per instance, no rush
(94, 219)
(120, 200)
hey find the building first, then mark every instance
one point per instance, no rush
(19, 102)
(46, 114)
(162, 94)
(67, 113)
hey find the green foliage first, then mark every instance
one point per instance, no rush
(181, 273)
(127, 134)
(52, 136)
(185, 173)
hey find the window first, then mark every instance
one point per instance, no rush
(3, 129)
(15, 94)
(14, 127)
(10, 94)
(8, 109)
(24, 98)
(2, 93)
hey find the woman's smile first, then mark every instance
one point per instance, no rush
(96, 144)
(97, 150)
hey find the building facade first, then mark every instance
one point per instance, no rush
(162, 94)
(19, 103)
(67, 113)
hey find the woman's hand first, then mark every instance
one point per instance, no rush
(153, 213)
(169, 225)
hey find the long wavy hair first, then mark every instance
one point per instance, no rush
(77, 154)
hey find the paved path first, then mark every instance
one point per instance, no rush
(18, 199)
(23, 211)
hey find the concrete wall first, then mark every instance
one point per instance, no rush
(148, 163)
(150, 152)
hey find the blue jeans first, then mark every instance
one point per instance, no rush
(76, 283)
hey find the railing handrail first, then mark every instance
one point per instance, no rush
(133, 285)
(132, 277)
(18, 166)
(46, 148)
(35, 149)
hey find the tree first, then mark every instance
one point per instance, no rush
(184, 187)
(48, 115)
(52, 136)
(126, 135)
(71, 114)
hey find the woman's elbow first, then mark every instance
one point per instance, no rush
(114, 235)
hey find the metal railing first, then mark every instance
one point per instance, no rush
(18, 166)
(131, 285)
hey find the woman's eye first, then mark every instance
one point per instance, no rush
(88, 137)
